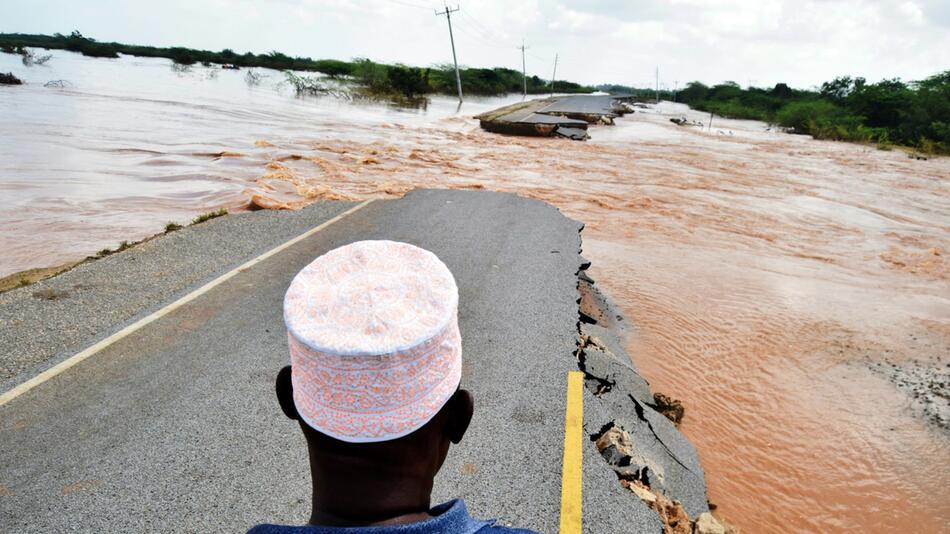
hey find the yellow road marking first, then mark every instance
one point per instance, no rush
(80, 356)
(571, 471)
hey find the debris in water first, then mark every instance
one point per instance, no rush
(671, 408)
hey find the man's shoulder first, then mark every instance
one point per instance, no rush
(499, 529)
(288, 529)
(280, 529)
(447, 518)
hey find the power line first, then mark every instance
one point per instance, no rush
(411, 4)
(490, 34)
(479, 37)
(481, 33)
(535, 56)
(481, 28)
(476, 29)
(484, 30)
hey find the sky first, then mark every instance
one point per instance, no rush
(751, 42)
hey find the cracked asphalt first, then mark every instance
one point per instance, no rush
(175, 427)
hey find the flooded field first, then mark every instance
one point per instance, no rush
(778, 285)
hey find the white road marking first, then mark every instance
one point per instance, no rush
(80, 356)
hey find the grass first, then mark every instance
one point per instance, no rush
(28, 277)
(210, 215)
(124, 245)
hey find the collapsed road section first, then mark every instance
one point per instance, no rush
(561, 116)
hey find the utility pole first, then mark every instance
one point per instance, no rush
(554, 76)
(448, 16)
(676, 86)
(524, 73)
(657, 84)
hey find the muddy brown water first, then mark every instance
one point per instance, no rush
(767, 276)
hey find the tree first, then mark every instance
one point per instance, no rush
(781, 90)
(882, 104)
(409, 81)
(693, 92)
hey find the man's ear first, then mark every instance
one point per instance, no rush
(285, 394)
(463, 407)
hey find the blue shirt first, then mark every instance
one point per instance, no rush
(449, 518)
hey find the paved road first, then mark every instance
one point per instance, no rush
(593, 104)
(175, 427)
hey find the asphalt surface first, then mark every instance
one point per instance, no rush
(94, 299)
(593, 104)
(175, 427)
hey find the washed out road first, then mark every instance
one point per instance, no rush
(175, 426)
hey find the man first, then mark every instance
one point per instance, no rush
(376, 363)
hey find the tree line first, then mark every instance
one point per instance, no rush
(913, 114)
(379, 78)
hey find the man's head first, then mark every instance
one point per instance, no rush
(417, 456)
(376, 362)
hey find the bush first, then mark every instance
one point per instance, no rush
(693, 93)
(803, 115)
(252, 77)
(303, 84)
(370, 74)
(333, 67)
(7, 78)
(182, 56)
(408, 81)
(735, 109)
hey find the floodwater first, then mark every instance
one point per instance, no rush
(772, 280)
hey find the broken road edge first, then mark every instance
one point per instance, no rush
(632, 427)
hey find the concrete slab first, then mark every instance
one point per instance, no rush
(564, 116)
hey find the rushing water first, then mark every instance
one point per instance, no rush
(767, 274)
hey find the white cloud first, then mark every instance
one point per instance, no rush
(913, 13)
(762, 41)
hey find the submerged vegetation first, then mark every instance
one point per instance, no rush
(890, 112)
(7, 78)
(375, 78)
(914, 114)
(26, 55)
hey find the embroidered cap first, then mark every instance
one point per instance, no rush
(375, 348)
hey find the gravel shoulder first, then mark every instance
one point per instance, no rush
(47, 321)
